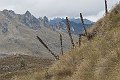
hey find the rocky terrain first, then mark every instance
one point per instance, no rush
(18, 35)
(21, 65)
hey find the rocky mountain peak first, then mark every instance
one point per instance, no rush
(8, 11)
(29, 20)
(28, 14)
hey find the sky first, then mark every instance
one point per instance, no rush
(91, 9)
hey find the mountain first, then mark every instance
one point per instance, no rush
(18, 35)
(56, 24)
(29, 20)
(75, 24)
(78, 20)
(97, 59)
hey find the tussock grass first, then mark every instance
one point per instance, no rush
(98, 59)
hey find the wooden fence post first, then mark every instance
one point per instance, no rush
(61, 44)
(106, 9)
(83, 23)
(68, 30)
(56, 56)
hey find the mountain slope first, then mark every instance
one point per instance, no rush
(97, 59)
(18, 35)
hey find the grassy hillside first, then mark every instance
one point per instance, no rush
(97, 59)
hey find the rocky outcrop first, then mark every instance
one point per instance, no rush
(18, 35)
(29, 20)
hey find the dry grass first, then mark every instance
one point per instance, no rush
(98, 59)
(21, 65)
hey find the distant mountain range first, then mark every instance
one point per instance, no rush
(75, 24)
(18, 35)
(55, 24)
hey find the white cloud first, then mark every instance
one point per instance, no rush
(95, 17)
(61, 8)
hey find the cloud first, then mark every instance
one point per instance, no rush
(95, 17)
(60, 8)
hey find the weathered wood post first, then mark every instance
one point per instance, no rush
(68, 30)
(61, 44)
(106, 9)
(56, 56)
(83, 23)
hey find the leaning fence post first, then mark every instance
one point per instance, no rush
(56, 56)
(83, 23)
(68, 30)
(106, 9)
(61, 44)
